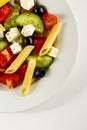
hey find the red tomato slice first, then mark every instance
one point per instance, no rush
(22, 70)
(4, 12)
(11, 80)
(38, 43)
(6, 56)
(2, 70)
(49, 20)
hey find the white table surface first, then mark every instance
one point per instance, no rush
(68, 109)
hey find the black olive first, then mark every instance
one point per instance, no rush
(28, 41)
(39, 73)
(40, 10)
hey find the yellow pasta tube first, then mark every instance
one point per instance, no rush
(50, 39)
(2, 2)
(19, 59)
(28, 77)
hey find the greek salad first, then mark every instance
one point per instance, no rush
(25, 23)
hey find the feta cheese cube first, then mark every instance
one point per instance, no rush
(16, 48)
(27, 4)
(28, 30)
(53, 52)
(13, 34)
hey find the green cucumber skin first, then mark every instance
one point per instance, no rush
(41, 61)
(3, 45)
(30, 18)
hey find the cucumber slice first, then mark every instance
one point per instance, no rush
(3, 45)
(41, 61)
(30, 18)
(9, 22)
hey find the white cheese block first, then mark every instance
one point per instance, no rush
(53, 52)
(16, 48)
(27, 4)
(28, 30)
(13, 34)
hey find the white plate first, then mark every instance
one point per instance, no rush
(12, 101)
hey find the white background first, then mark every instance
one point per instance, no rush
(67, 110)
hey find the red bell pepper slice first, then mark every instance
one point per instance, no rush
(4, 12)
(11, 80)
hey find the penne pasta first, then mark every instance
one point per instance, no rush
(2, 2)
(28, 77)
(50, 39)
(19, 59)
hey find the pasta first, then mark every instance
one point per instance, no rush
(2, 2)
(28, 77)
(50, 39)
(19, 60)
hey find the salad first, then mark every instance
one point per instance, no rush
(27, 35)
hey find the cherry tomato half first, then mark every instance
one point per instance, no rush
(49, 20)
